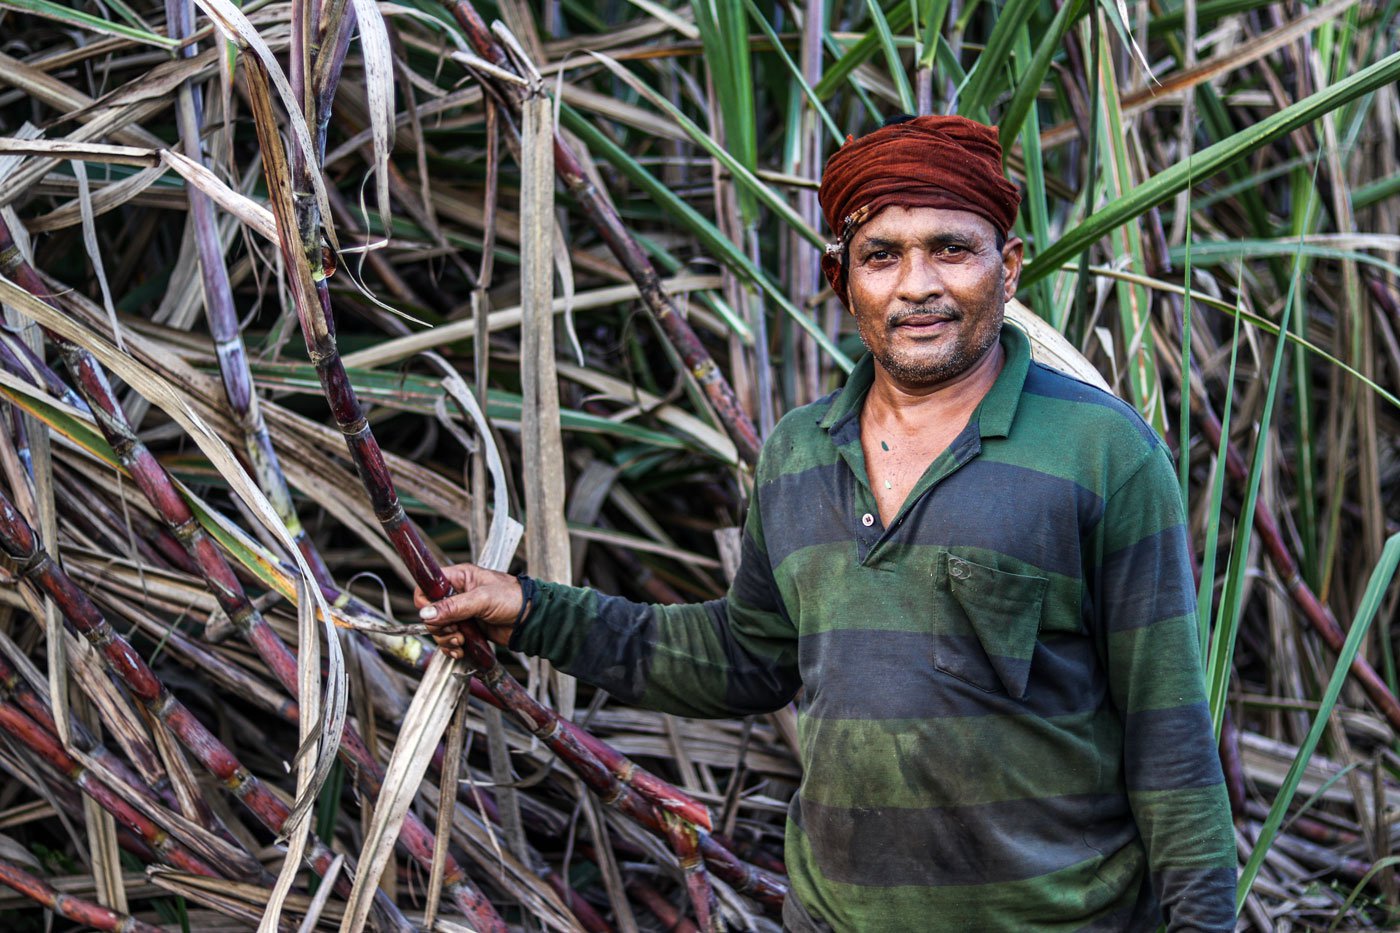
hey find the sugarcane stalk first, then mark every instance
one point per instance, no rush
(19, 542)
(588, 917)
(298, 219)
(743, 877)
(160, 490)
(225, 850)
(66, 905)
(14, 687)
(609, 226)
(35, 737)
(318, 330)
(671, 918)
(1313, 610)
(16, 356)
(229, 349)
(686, 844)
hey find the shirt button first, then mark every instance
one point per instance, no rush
(867, 519)
(958, 568)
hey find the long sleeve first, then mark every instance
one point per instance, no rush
(1145, 607)
(727, 657)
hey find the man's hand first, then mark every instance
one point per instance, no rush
(493, 599)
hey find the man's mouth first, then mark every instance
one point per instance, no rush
(923, 322)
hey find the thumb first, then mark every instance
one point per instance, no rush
(455, 608)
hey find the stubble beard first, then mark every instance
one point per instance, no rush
(958, 351)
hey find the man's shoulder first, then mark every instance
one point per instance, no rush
(798, 441)
(1090, 434)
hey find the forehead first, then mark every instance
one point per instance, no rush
(922, 223)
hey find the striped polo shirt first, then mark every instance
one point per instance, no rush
(1002, 714)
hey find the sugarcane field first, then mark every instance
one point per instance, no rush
(670, 467)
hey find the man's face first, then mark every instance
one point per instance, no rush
(928, 287)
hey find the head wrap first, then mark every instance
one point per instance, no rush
(945, 162)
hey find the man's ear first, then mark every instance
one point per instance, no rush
(1012, 253)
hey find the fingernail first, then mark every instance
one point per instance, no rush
(428, 612)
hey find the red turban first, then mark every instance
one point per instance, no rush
(946, 162)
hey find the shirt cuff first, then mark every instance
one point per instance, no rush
(529, 605)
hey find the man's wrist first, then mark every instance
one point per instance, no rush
(529, 595)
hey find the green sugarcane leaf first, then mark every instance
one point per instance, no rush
(1263, 323)
(1167, 183)
(898, 18)
(929, 27)
(807, 91)
(988, 76)
(892, 59)
(87, 21)
(1015, 115)
(1134, 303)
(745, 178)
(1232, 604)
(685, 215)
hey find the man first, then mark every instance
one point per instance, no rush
(975, 568)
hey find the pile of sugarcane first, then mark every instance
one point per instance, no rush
(217, 709)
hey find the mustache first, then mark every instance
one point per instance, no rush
(899, 317)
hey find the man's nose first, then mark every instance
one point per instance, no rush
(921, 279)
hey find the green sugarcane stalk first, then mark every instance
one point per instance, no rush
(66, 905)
(19, 542)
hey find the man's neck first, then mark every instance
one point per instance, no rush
(909, 409)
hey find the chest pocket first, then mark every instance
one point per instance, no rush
(1002, 611)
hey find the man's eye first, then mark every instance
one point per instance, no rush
(880, 255)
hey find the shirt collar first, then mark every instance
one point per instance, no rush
(993, 416)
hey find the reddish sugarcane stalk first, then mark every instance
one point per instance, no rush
(1312, 608)
(33, 736)
(15, 354)
(66, 905)
(686, 843)
(588, 918)
(625, 247)
(18, 541)
(160, 490)
(672, 921)
(743, 877)
(423, 566)
(318, 330)
(15, 688)
(237, 861)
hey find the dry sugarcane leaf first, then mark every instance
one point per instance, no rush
(44, 87)
(682, 421)
(94, 253)
(80, 149)
(108, 197)
(428, 715)
(248, 211)
(399, 348)
(79, 143)
(1050, 347)
(379, 87)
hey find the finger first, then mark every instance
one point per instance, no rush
(419, 600)
(453, 608)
